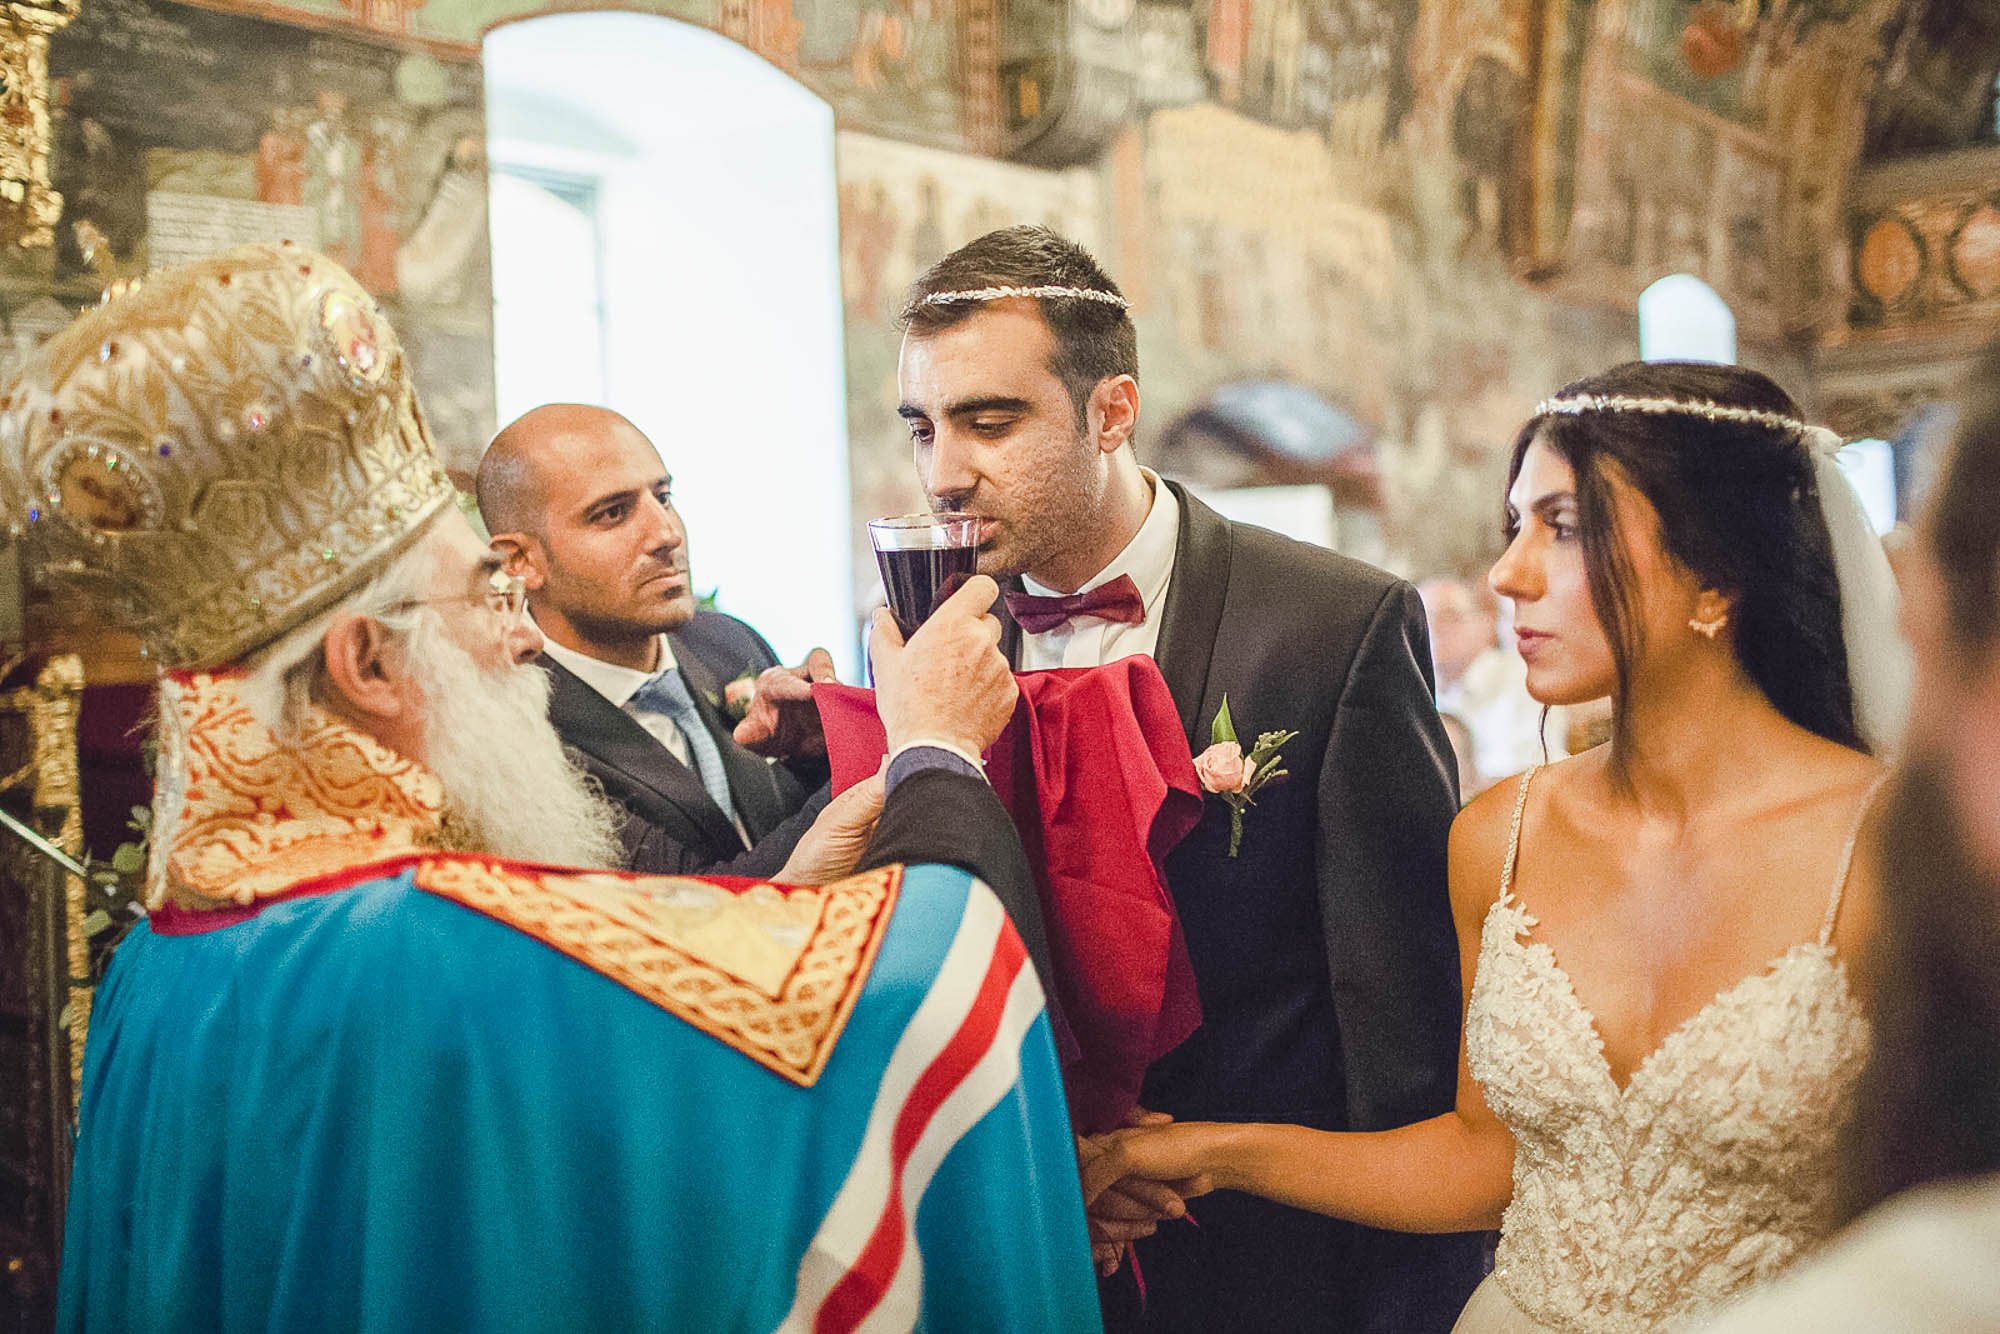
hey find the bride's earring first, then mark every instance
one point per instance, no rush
(1708, 627)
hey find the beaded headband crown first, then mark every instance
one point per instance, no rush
(215, 454)
(1040, 293)
(1817, 438)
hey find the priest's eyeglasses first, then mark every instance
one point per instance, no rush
(505, 595)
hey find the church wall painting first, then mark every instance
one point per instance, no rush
(1345, 194)
(891, 66)
(1725, 56)
(180, 131)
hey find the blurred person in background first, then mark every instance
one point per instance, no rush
(1470, 784)
(1921, 1165)
(1484, 683)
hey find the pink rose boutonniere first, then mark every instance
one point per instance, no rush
(737, 695)
(1235, 777)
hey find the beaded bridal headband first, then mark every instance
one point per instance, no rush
(1040, 293)
(1818, 438)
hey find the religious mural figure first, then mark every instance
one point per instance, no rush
(440, 257)
(893, 44)
(333, 177)
(1488, 131)
(1228, 47)
(867, 232)
(379, 192)
(281, 159)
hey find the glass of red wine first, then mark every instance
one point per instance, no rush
(924, 558)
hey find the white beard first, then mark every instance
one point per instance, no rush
(507, 781)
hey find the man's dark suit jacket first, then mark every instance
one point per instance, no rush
(672, 826)
(1324, 952)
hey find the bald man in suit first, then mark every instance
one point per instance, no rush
(581, 504)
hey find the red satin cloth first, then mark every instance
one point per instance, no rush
(1095, 770)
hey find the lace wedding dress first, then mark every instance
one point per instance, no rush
(1707, 1173)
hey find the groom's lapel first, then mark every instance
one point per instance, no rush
(1010, 629)
(1193, 613)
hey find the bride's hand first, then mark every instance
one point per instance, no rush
(1180, 1156)
(1133, 1207)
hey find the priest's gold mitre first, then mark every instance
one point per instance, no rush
(216, 453)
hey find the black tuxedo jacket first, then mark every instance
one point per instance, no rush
(672, 826)
(1324, 952)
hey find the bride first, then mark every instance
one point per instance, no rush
(1661, 1035)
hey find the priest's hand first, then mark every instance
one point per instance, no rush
(831, 847)
(782, 721)
(950, 683)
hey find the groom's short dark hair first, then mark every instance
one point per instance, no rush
(1094, 340)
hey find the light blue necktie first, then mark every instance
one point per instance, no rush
(668, 693)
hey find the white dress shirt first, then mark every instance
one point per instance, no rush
(1087, 641)
(618, 684)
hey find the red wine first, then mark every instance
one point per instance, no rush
(917, 581)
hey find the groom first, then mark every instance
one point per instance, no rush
(1323, 949)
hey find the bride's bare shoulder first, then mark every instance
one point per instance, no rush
(1847, 772)
(1483, 831)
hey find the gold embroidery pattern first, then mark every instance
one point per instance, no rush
(772, 972)
(257, 817)
(215, 455)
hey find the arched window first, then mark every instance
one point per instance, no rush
(683, 187)
(1682, 319)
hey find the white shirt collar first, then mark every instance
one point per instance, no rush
(617, 684)
(1148, 558)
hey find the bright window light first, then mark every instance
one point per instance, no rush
(1871, 466)
(548, 308)
(1682, 319)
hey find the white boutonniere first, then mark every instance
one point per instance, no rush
(1235, 777)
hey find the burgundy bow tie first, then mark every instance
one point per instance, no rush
(1118, 601)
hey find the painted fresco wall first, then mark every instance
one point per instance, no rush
(1429, 213)
(179, 132)
(1426, 213)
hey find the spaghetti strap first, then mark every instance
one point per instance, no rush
(1514, 835)
(1846, 865)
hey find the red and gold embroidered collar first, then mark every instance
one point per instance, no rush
(257, 817)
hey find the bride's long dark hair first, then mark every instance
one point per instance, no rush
(1738, 507)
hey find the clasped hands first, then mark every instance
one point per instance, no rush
(1133, 1179)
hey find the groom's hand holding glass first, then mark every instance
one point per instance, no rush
(948, 685)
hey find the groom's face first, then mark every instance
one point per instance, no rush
(995, 433)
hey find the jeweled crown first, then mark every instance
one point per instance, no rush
(215, 454)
